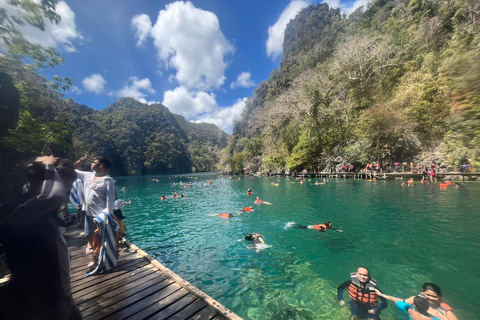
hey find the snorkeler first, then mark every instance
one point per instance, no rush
(163, 198)
(255, 238)
(258, 200)
(225, 215)
(319, 227)
(249, 192)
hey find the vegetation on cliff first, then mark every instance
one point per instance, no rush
(397, 81)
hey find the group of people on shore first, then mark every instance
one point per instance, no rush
(367, 301)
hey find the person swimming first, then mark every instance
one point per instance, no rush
(163, 198)
(249, 192)
(255, 238)
(258, 200)
(320, 227)
(225, 215)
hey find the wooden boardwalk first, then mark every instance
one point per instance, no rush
(137, 288)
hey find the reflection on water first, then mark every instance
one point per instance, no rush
(406, 236)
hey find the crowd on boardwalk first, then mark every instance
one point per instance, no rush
(32, 235)
(33, 241)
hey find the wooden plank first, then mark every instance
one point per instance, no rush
(115, 296)
(186, 312)
(204, 314)
(85, 268)
(90, 281)
(128, 267)
(163, 288)
(168, 306)
(120, 277)
(139, 287)
(165, 297)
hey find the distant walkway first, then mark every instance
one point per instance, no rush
(139, 287)
(390, 175)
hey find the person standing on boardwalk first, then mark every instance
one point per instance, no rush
(99, 194)
(364, 303)
(35, 248)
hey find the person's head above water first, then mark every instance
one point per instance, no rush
(432, 292)
(363, 274)
(328, 224)
(421, 304)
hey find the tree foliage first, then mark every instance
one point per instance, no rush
(396, 81)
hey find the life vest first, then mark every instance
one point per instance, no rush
(319, 227)
(258, 201)
(247, 209)
(444, 308)
(224, 215)
(365, 296)
(257, 235)
(249, 192)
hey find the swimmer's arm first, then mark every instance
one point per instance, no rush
(415, 315)
(391, 298)
(383, 303)
(50, 198)
(341, 288)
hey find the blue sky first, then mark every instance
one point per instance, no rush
(201, 59)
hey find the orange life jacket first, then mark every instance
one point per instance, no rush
(247, 209)
(319, 227)
(444, 308)
(366, 295)
(258, 201)
(224, 215)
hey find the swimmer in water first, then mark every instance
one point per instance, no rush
(320, 227)
(417, 309)
(255, 238)
(163, 198)
(249, 192)
(225, 215)
(246, 209)
(258, 200)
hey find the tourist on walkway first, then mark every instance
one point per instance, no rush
(36, 251)
(99, 193)
(364, 301)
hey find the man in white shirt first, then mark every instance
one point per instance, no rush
(99, 193)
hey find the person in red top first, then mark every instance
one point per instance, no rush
(319, 227)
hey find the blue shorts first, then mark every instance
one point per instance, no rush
(90, 226)
(356, 311)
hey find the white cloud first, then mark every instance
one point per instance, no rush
(189, 103)
(224, 117)
(62, 35)
(134, 88)
(276, 32)
(188, 40)
(95, 83)
(243, 81)
(143, 27)
(200, 106)
(348, 9)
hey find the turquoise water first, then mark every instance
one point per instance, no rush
(405, 235)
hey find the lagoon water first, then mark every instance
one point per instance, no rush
(405, 235)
